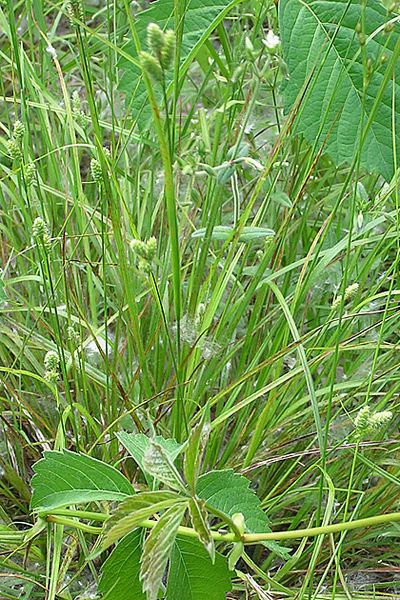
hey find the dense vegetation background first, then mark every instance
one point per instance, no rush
(205, 239)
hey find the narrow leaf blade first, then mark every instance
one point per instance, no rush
(157, 550)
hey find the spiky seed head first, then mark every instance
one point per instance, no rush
(18, 131)
(155, 39)
(361, 422)
(76, 101)
(51, 361)
(39, 228)
(367, 422)
(151, 248)
(168, 51)
(75, 11)
(379, 420)
(40, 232)
(351, 291)
(96, 170)
(139, 248)
(151, 66)
(14, 150)
(30, 173)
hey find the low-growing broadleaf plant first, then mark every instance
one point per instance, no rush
(180, 538)
(137, 566)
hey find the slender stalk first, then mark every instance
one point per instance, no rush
(247, 538)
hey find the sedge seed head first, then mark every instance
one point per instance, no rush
(18, 131)
(96, 170)
(30, 173)
(51, 361)
(151, 66)
(155, 39)
(14, 150)
(168, 51)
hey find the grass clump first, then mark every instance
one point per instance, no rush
(190, 289)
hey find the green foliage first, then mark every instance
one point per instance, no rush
(201, 18)
(194, 454)
(132, 511)
(3, 293)
(157, 549)
(224, 232)
(193, 576)
(120, 572)
(65, 478)
(230, 493)
(138, 443)
(200, 521)
(158, 464)
(347, 108)
(159, 272)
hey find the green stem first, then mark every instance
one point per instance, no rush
(247, 538)
(179, 414)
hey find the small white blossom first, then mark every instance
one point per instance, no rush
(52, 51)
(272, 40)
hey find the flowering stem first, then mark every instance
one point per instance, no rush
(169, 190)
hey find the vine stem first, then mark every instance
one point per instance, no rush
(247, 538)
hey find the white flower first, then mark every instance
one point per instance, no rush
(272, 40)
(52, 51)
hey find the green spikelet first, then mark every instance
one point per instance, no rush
(168, 51)
(155, 40)
(151, 66)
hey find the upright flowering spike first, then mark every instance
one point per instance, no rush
(40, 232)
(30, 173)
(51, 360)
(96, 170)
(14, 150)
(367, 422)
(151, 66)
(51, 365)
(168, 52)
(155, 39)
(75, 10)
(18, 131)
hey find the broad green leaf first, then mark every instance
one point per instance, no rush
(157, 549)
(201, 18)
(322, 51)
(157, 463)
(230, 493)
(120, 572)
(199, 518)
(64, 478)
(194, 453)
(137, 444)
(192, 575)
(133, 511)
(224, 232)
